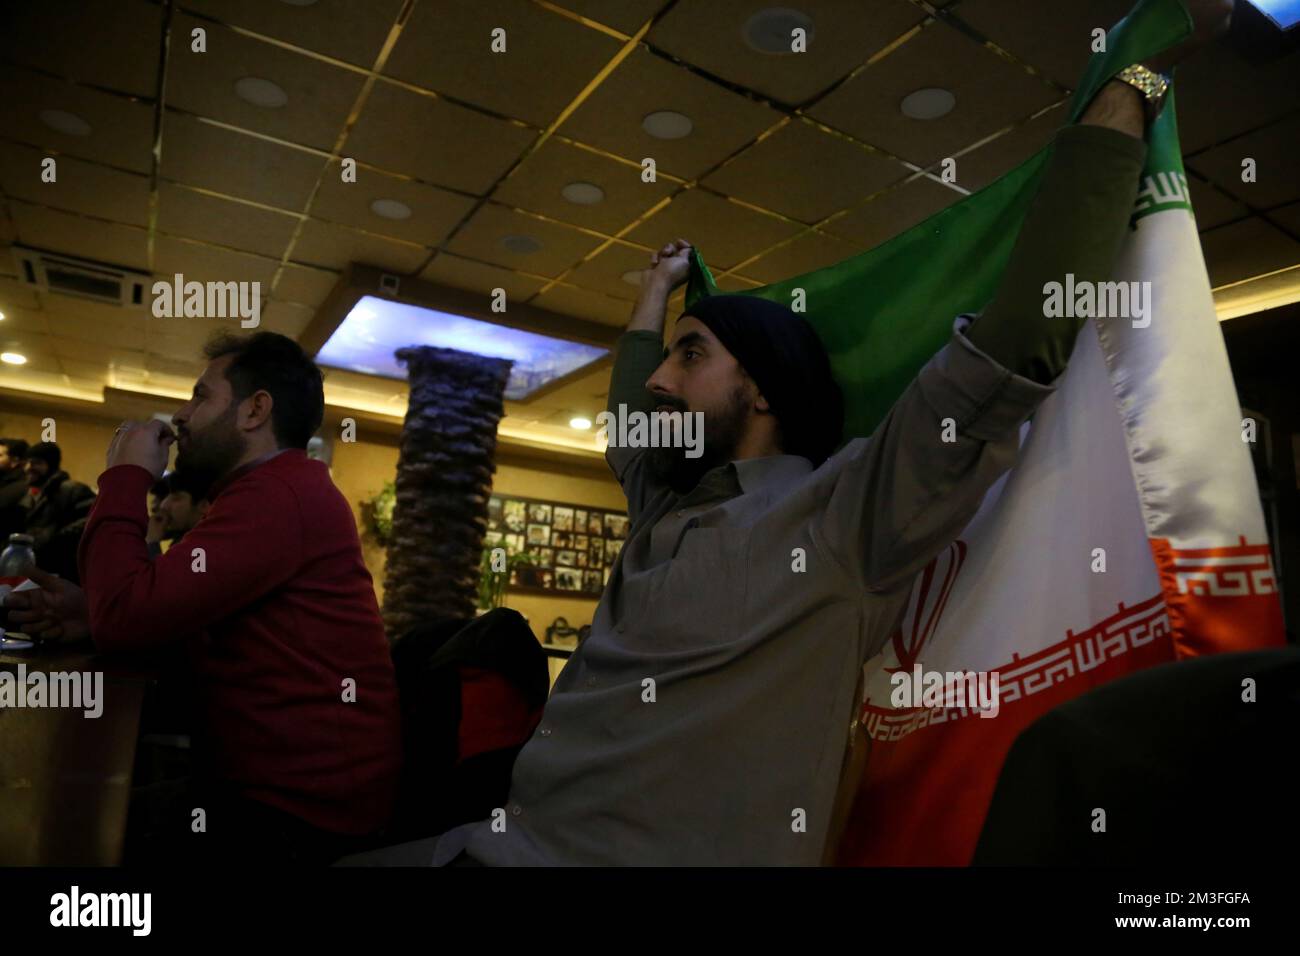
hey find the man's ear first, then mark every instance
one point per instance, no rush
(256, 411)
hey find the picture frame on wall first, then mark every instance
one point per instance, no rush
(571, 547)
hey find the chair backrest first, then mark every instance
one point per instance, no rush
(472, 695)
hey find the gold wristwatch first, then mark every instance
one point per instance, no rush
(1150, 84)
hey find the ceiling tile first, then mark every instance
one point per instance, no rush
(845, 172)
(990, 94)
(79, 186)
(91, 239)
(195, 215)
(459, 273)
(161, 365)
(14, 294)
(807, 253)
(894, 212)
(342, 29)
(1055, 38)
(604, 272)
(39, 351)
(481, 237)
(724, 232)
(625, 15)
(287, 318)
(582, 304)
(110, 43)
(536, 185)
(710, 34)
(1221, 95)
(434, 211)
(306, 285)
(1246, 249)
(981, 166)
(397, 128)
(121, 129)
(18, 318)
(1277, 170)
(1288, 217)
(86, 338)
(92, 374)
(334, 247)
(539, 44)
(1211, 206)
(216, 159)
(182, 340)
(203, 263)
(644, 83)
(320, 95)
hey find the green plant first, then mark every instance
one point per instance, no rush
(492, 583)
(377, 513)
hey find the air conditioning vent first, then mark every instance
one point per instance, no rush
(67, 275)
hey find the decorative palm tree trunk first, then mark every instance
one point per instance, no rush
(444, 479)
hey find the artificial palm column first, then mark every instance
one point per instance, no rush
(444, 479)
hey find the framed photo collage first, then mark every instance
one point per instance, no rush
(572, 548)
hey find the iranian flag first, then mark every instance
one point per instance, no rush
(1128, 534)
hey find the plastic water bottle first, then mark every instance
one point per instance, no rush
(18, 560)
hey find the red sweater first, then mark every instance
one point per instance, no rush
(281, 614)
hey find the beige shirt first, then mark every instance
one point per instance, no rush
(705, 718)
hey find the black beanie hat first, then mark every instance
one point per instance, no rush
(787, 361)
(47, 452)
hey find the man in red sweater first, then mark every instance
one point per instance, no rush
(300, 742)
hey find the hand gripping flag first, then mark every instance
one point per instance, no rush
(1128, 534)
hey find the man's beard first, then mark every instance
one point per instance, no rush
(722, 430)
(214, 450)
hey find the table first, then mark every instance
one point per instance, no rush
(65, 779)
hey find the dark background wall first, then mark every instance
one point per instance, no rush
(1262, 348)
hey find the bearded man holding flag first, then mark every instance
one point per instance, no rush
(704, 720)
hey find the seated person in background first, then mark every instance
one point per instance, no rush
(298, 732)
(13, 487)
(179, 501)
(153, 535)
(56, 510)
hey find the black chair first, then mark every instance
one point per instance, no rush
(471, 695)
(1185, 770)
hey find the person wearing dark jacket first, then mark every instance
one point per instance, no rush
(56, 510)
(13, 487)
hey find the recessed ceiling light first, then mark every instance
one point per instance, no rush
(521, 244)
(390, 209)
(260, 92)
(13, 358)
(770, 30)
(63, 122)
(667, 124)
(634, 277)
(928, 104)
(580, 423)
(2, 316)
(583, 194)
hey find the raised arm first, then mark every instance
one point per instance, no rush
(899, 497)
(638, 354)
